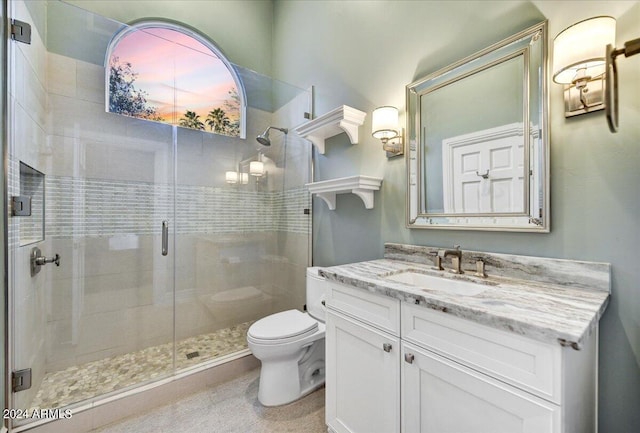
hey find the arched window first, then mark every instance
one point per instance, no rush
(165, 72)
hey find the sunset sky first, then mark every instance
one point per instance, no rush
(176, 71)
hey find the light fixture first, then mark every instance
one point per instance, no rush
(585, 62)
(231, 177)
(244, 178)
(579, 58)
(256, 168)
(384, 126)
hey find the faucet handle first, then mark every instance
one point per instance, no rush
(456, 263)
(437, 261)
(480, 272)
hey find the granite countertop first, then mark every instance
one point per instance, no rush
(550, 311)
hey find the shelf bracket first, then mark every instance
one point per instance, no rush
(342, 119)
(329, 198)
(362, 186)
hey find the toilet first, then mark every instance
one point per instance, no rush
(290, 345)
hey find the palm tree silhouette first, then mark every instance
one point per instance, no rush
(232, 106)
(191, 120)
(218, 120)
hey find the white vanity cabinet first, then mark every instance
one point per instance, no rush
(447, 374)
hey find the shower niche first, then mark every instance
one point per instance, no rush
(29, 205)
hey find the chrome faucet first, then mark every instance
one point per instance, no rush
(456, 260)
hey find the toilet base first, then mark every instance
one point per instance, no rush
(279, 383)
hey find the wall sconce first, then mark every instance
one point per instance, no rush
(579, 63)
(231, 177)
(244, 178)
(384, 126)
(587, 70)
(256, 168)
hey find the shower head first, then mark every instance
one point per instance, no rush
(264, 137)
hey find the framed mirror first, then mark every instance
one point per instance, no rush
(478, 153)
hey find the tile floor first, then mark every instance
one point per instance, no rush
(86, 381)
(232, 407)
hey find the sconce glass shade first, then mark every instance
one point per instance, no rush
(244, 177)
(256, 168)
(384, 122)
(580, 50)
(231, 177)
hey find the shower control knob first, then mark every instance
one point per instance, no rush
(38, 260)
(44, 260)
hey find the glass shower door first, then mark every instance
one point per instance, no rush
(101, 188)
(117, 312)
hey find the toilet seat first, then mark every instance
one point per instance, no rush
(283, 327)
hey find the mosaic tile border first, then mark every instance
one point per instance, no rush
(88, 207)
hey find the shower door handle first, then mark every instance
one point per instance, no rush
(165, 238)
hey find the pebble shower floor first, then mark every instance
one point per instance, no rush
(82, 382)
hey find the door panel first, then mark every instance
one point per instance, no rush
(441, 396)
(103, 319)
(483, 172)
(363, 387)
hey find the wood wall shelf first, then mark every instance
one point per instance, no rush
(342, 119)
(362, 186)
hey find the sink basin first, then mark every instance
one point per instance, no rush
(425, 281)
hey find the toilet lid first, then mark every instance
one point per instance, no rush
(282, 325)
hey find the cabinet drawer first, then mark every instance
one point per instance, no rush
(523, 362)
(377, 310)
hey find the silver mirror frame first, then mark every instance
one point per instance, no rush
(531, 220)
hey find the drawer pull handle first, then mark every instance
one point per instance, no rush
(386, 347)
(408, 357)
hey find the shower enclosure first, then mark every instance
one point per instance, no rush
(164, 258)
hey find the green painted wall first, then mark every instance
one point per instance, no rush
(363, 53)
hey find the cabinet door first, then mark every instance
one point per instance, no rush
(442, 396)
(363, 380)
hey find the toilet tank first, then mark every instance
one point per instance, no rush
(316, 294)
